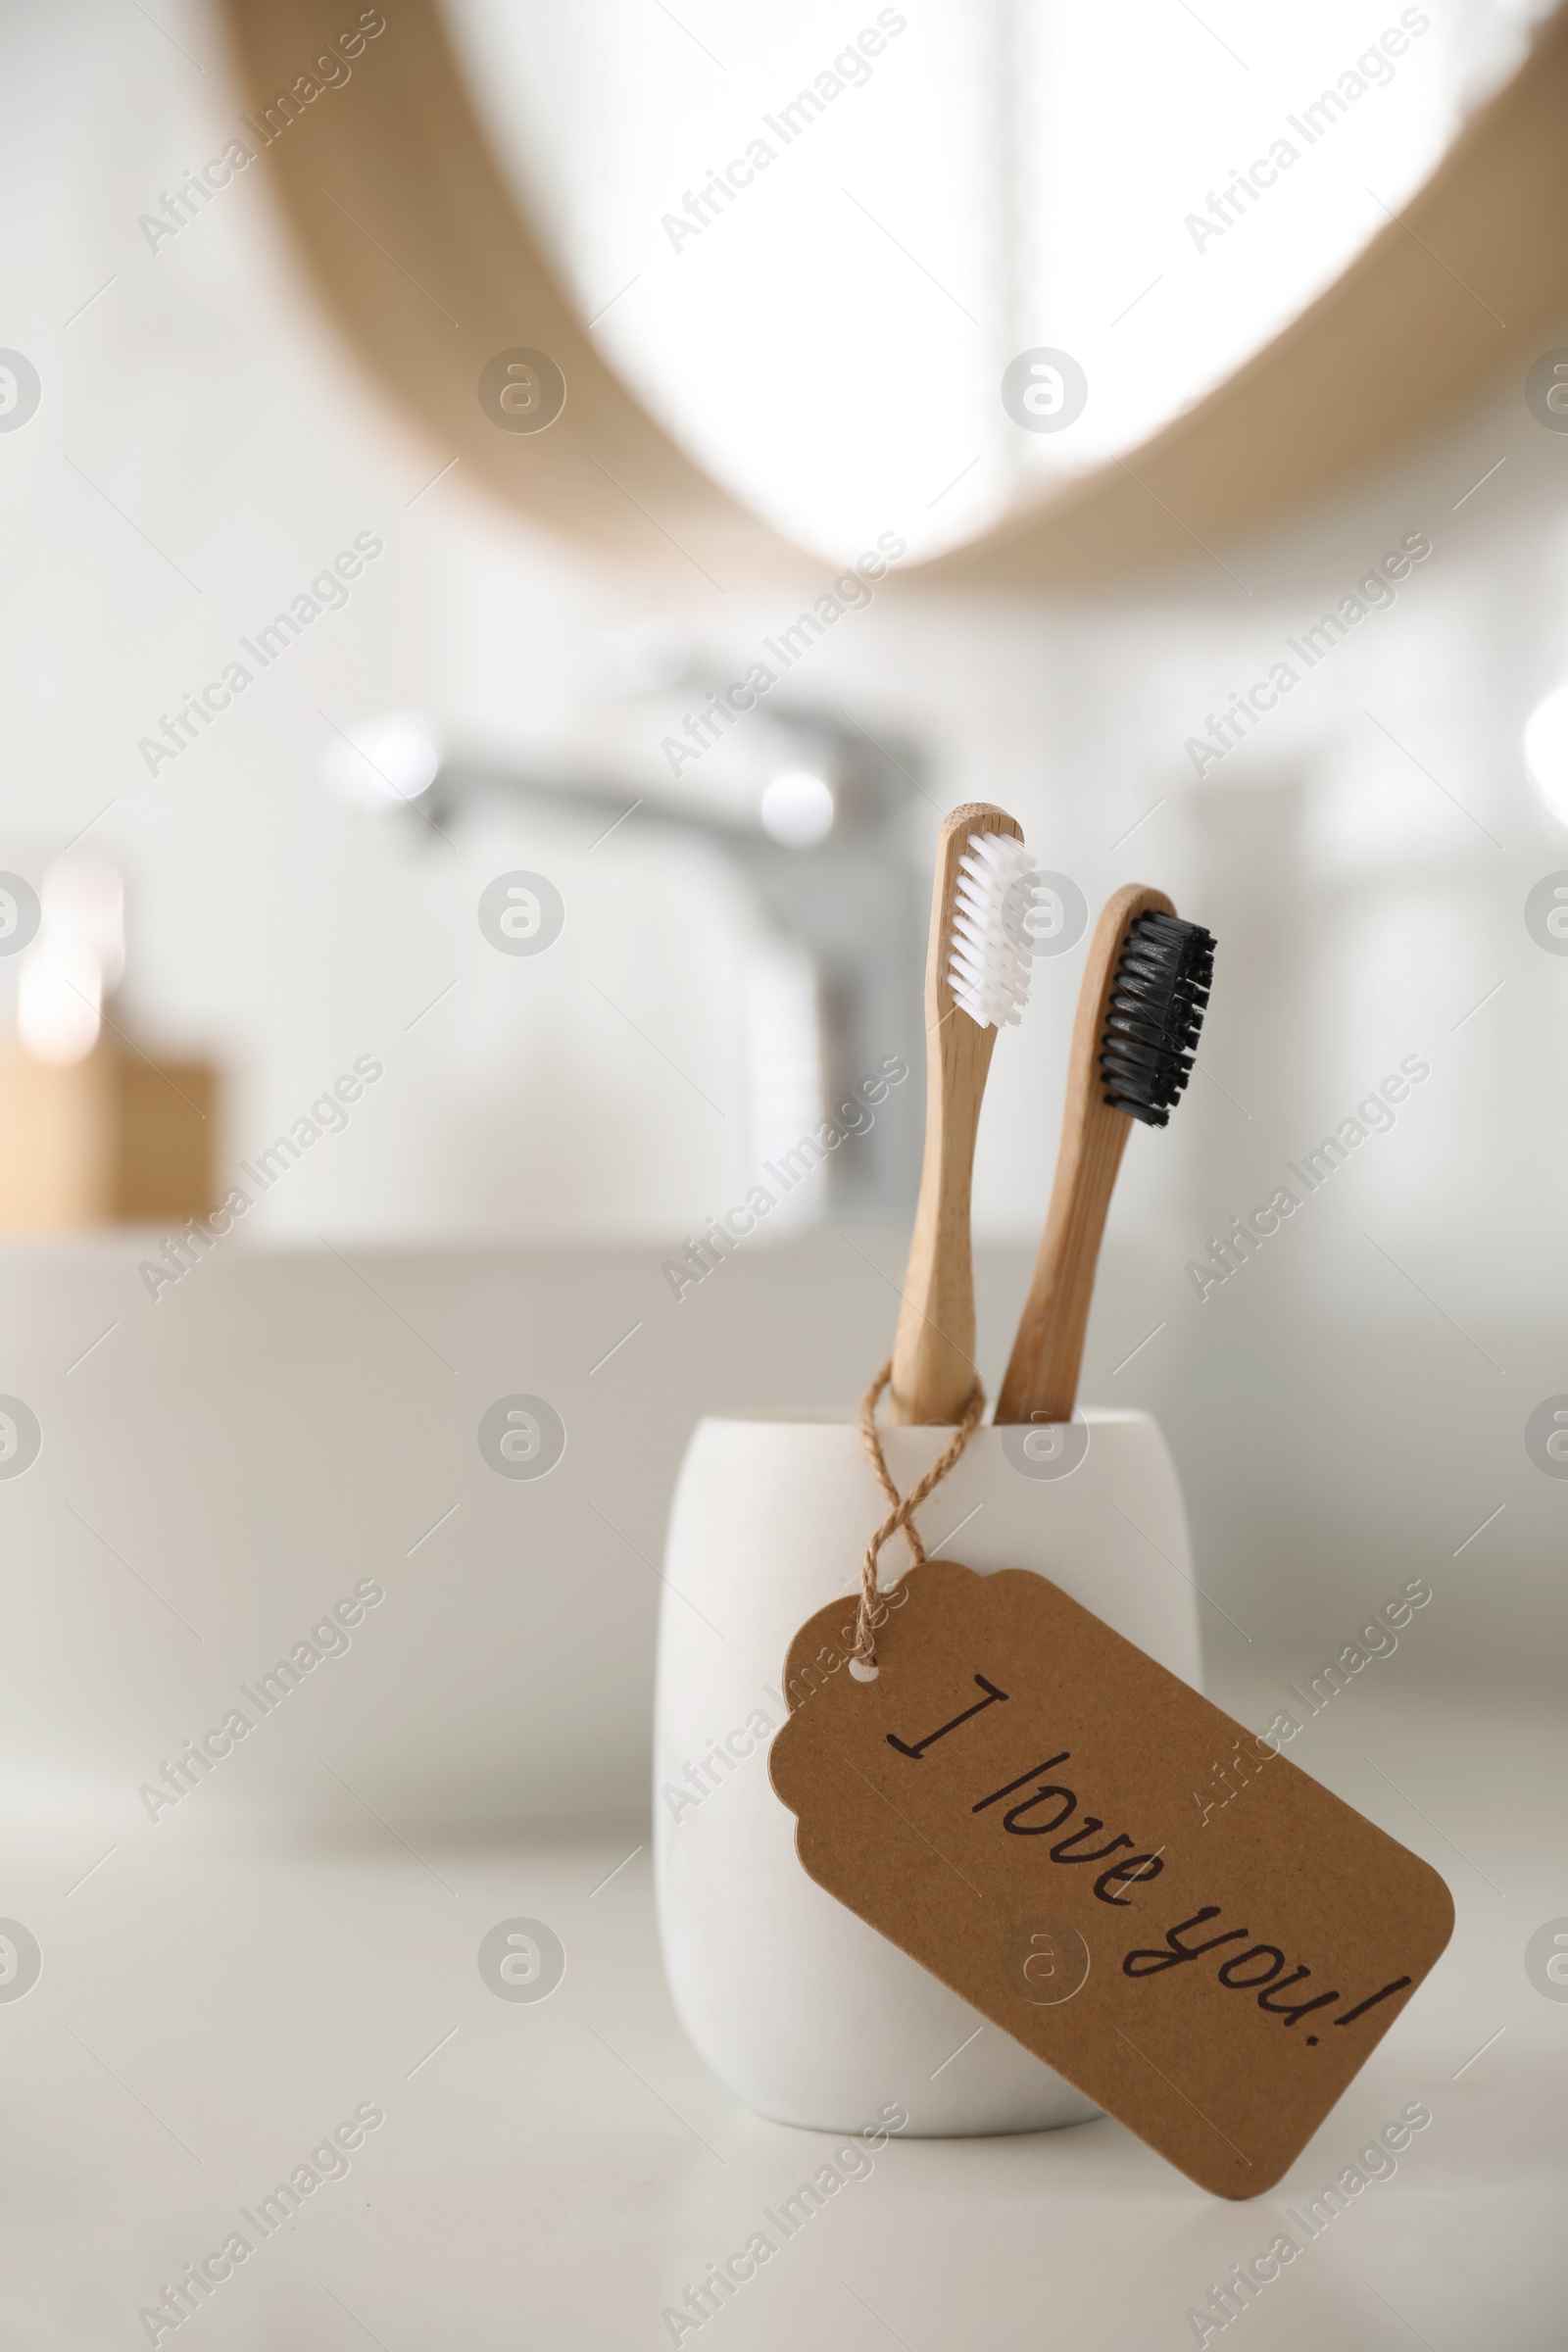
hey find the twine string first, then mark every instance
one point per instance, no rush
(901, 1516)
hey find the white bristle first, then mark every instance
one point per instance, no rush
(989, 969)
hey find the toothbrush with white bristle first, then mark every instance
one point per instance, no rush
(977, 982)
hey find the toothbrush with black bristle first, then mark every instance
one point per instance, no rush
(976, 983)
(1140, 1011)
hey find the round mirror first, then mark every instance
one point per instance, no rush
(897, 267)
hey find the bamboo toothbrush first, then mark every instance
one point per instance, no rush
(1140, 1011)
(977, 978)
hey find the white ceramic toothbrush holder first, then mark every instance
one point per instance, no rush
(807, 2014)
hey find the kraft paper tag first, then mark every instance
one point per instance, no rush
(1011, 1800)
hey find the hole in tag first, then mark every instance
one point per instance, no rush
(861, 1672)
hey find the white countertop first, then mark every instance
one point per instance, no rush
(211, 2007)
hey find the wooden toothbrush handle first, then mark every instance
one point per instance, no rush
(1042, 1377)
(934, 1371)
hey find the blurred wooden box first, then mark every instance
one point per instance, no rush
(114, 1140)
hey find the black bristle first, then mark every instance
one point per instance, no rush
(1154, 1014)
